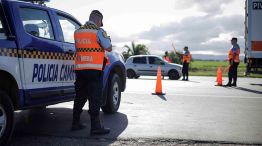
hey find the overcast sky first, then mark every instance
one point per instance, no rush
(206, 26)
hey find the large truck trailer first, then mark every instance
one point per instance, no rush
(253, 36)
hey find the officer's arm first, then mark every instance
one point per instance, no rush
(109, 49)
(104, 40)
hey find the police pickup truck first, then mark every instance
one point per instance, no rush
(37, 61)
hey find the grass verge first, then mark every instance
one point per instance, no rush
(209, 68)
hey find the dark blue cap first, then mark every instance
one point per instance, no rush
(97, 13)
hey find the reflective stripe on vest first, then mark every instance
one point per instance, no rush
(88, 66)
(89, 53)
(230, 55)
(186, 58)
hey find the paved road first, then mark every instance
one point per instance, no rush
(193, 110)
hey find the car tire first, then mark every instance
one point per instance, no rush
(136, 77)
(114, 95)
(6, 118)
(173, 75)
(131, 74)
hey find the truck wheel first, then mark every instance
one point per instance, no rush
(6, 118)
(114, 95)
(131, 74)
(173, 75)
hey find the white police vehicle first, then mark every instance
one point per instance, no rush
(37, 60)
(147, 65)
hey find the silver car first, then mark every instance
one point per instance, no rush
(146, 65)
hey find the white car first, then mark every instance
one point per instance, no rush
(147, 65)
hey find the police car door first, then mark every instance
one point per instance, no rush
(40, 51)
(8, 48)
(68, 25)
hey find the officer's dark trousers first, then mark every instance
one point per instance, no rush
(88, 86)
(185, 70)
(232, 73)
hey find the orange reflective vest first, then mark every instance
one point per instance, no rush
(235, 55)
(167, 59)
(187, 58)
(89, 54)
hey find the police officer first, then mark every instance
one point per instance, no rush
(166, 57)
(233, 59)
(91, 43)
(186, 61)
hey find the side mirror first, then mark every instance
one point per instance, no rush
(162, 63)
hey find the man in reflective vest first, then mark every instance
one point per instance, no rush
(167, 58)
(186, 61)
(91, 43)
(233, 59)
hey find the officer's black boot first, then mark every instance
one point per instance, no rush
(97, 128)
(228, 84)
(183, 77)
(77, 125)
(234, 83)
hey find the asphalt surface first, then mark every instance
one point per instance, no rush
(194, 113)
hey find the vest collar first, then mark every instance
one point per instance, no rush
(91, 22)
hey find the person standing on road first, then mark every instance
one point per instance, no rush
(91, 43)
(233, 59)
(186, 61)
(167, 58)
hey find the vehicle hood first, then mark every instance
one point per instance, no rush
(174, 64)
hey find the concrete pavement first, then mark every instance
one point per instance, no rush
(194, 110)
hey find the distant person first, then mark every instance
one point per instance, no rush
(186, 61)
(233, 59)
(167, 58)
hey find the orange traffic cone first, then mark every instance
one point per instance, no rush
(158, 90)
(219, 76)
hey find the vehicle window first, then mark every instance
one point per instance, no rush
(37, 22)
(2, 31)
(154, 60)
(68, 28)
(139, 60)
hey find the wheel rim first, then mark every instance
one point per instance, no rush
(115, 93)
(3, 119)
(130, 74)
(172, 74)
